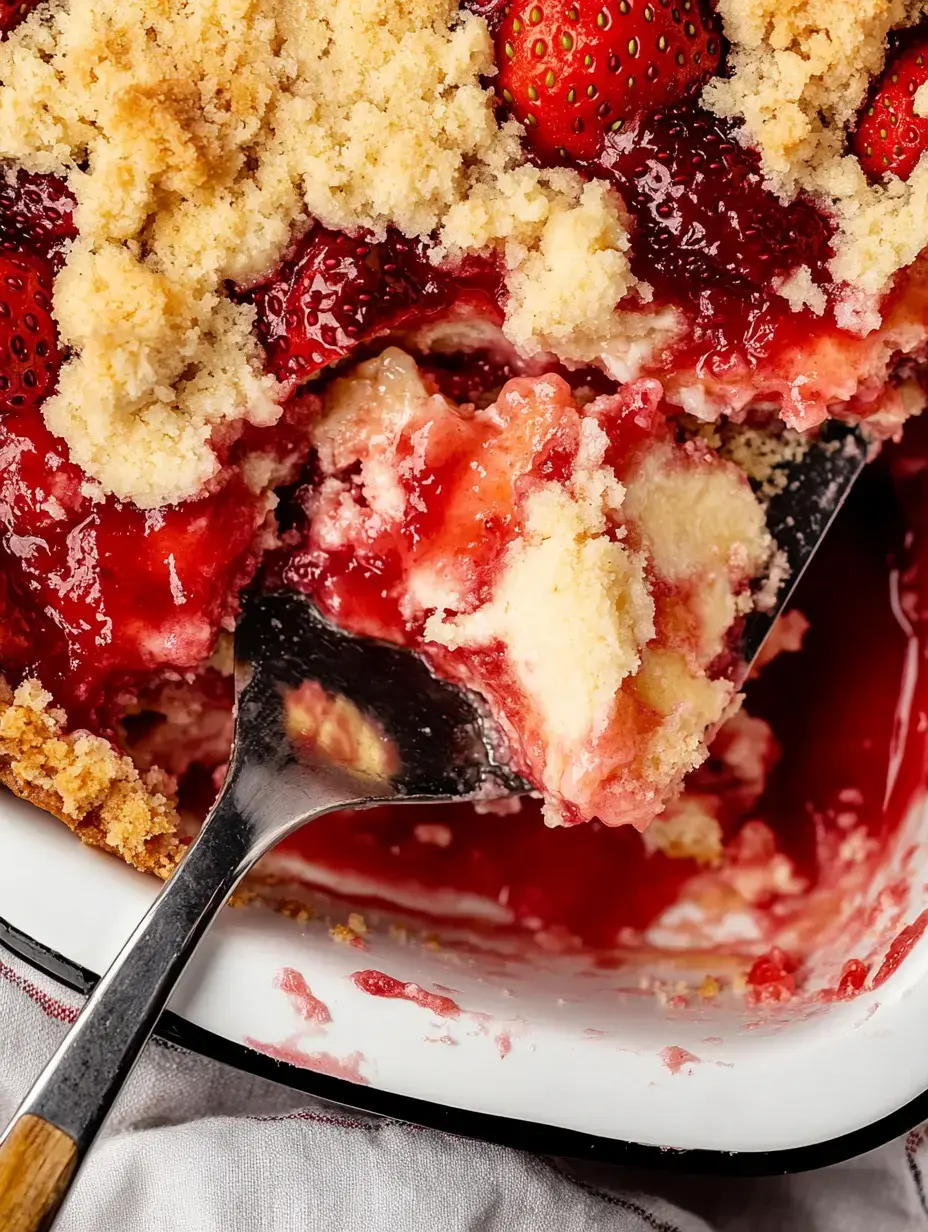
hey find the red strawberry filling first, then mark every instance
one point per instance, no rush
(98, 594)
(12, 12)
(336, 292)
(36, 212)
(440, 528)
(705, 222)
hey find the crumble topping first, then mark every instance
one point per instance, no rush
(800, 72)
(687, 830)
(83, 780)
(701, 522)
(195, 133)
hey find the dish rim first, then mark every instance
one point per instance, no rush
(513, 1132)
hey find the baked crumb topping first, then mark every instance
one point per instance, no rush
(83, 780)
(195, 134)
(800, 72)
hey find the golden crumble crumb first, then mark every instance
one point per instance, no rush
(564, 292)
(763, 455)
(343, 934)
(85, 782)
(357, 923)
(195, 135)
(800, 291)
(710, 988)
(686, 830)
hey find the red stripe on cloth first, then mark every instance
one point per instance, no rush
(304, 1114)
(47, 1004)
(913, 1144)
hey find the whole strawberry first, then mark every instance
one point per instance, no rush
(573, 70)
(29, 356)
(890, 137)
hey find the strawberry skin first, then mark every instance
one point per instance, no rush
(29, 356)
(891, 138)
(37, 213)
(573, 70)
(12, 12)
(335, 292)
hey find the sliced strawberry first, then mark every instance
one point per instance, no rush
(36, 212)
(29, 356)
(704, 218)
(890, 137)
(573, 70)
(336, 292)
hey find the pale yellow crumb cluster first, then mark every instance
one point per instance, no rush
(764, 456)
(686, 830)
(82, 779)
(197, 133)
(702, 525)
(573, 610)
(800, 72)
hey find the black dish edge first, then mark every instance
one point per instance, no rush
(520, 1135)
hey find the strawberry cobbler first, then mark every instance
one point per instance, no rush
(484, 325)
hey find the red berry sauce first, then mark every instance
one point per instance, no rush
(36, 212)
(99, 594)
(711, 238)
(834, 708)
(12, 12)
(335, 292)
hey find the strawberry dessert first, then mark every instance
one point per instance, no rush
(488, 326)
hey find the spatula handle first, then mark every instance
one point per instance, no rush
(59, 1118)
(37, 1162)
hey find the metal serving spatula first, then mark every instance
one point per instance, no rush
(324, 721)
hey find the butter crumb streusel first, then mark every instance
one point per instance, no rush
(81, 778)
(196, 133)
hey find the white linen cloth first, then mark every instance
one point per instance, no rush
(194, 1146)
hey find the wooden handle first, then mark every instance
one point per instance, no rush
(37, 1162)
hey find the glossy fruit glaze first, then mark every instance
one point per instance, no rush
(707, 235)
(335, 292)
(849, 712)
(710, 238)
(100, 599)
(98, 595)
(465, 479)
(462, 502)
